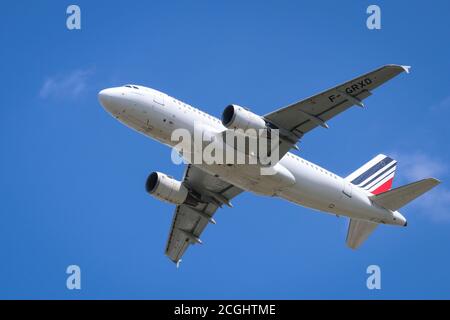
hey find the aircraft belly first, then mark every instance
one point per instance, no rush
(312, 189)
(248, 177)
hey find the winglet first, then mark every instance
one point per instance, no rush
(399, 66)
(406, 68)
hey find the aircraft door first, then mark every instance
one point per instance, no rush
(347, 189)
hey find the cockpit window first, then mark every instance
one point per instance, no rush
(131, 86)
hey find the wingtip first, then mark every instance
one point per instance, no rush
(436, 181)
(407, 69)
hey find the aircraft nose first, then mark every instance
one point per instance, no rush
(104, 96)
(107, 98)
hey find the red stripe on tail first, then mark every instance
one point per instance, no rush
(384, 187)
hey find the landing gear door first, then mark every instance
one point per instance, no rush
(347, 189)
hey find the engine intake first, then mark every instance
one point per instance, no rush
(236, 117)
(165, 188)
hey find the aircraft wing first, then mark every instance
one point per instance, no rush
(189, 222)
(303, 116)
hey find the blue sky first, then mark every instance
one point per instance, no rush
(72, 178)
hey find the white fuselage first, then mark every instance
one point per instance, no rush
(157, 115)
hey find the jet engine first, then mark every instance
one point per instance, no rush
(236, 117)
(165, 188)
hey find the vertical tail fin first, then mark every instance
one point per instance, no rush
(375, 176)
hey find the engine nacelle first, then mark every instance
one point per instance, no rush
(165, 188)
(236, 117)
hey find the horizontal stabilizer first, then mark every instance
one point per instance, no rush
(358, 232)
(396, 198)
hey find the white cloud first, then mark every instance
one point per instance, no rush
(69, 85)
(415, 166)
(435, 204)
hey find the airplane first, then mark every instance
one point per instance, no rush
(365, 196)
